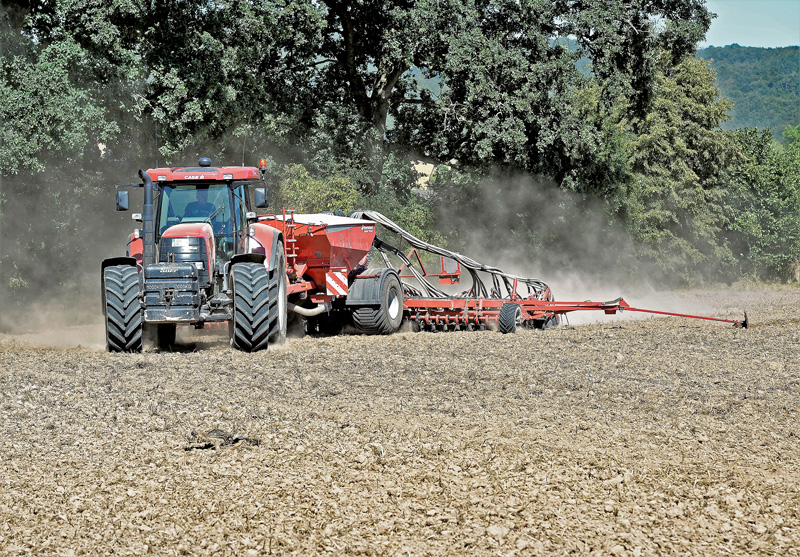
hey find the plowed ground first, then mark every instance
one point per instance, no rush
(661, 436)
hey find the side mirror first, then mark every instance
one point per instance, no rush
(262, 197)
(122, 200)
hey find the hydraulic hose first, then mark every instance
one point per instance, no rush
(308, 312)
(479, 289)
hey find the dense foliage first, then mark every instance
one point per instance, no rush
(625, 164)
(763, 83)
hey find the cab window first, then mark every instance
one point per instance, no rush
(196, 203)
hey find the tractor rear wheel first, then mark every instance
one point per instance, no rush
(249, 328)
(387, 317)
(278, 312)
(122, 309)
(510, 318)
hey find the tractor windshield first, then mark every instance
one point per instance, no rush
(196, 203)
(217, 204)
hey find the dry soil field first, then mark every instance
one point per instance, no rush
(661, 436)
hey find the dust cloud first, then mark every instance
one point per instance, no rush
(528, 226)
(55, 230)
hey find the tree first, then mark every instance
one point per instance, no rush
(50, 110)
(64, 113)
(675, 202)
(356, 91)
(300, 191)
(764, 200)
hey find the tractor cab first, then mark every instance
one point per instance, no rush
(203, 202)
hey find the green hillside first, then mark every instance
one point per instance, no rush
(764, 84)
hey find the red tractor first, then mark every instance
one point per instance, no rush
(204, 256)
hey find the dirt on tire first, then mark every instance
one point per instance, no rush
(624, 437)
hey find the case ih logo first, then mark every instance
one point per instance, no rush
(195, 177)
(367, 227)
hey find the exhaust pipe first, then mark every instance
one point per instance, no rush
(148, 222)
(309, 312)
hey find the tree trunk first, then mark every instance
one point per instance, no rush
(373, 106)
(380, 101)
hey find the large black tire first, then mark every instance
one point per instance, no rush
(123, 310)
(510, 318)
(249, 328)
(386, 318)
(278, 316)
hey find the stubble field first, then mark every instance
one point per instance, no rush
(659, 436)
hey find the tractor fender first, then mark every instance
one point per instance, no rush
(110, 262)
(248, 258)
(366, 287)
(262, 240)
(135, 248)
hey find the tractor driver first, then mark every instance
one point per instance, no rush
(201, 207)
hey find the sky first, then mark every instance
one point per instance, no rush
(766, 23)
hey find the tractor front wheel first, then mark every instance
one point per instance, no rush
(122, 309)
(510, 318)
(250, 326)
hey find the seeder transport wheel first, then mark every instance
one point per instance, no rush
(510, 318)
(250, 327)
(122, 309)
(386, 318)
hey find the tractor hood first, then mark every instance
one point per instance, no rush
(190, 229)
(190, 242)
